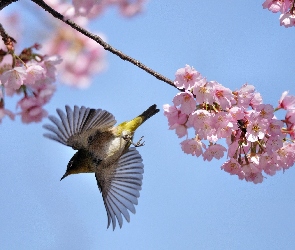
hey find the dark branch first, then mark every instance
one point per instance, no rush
(105, 45)
(4, 3)
(8, 40)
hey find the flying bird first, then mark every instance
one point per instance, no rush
(104, 149)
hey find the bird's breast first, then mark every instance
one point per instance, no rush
(107, 147)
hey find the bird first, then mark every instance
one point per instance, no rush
(105, 150)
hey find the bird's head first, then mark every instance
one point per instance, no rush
(80, 163)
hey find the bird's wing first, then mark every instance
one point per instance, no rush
(120, 185)
(73, 127)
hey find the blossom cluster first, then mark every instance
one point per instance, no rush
(285, 7)
(257, 141)
(30, 75)
(82, 57)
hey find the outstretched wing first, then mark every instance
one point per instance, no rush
(120, 185)
(74, 127)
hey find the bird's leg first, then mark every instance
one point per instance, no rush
(129, 139)
(139, 143)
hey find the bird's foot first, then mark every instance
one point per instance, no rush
(129, 139)
(139, 143)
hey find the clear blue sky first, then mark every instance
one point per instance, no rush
(185, 203)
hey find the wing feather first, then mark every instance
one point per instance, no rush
(70, 127)
(120, 185)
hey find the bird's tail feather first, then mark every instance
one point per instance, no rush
(152, 110)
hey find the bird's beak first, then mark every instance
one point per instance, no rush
(64, 176)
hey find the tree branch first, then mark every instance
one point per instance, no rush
(105, 45)
(4, 3)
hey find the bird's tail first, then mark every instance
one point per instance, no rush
(152, 110)
(137, 121)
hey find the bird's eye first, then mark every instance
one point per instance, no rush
(90, 139)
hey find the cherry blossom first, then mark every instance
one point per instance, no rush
(286, 102)
(285, 7)
(186, 77)
(204, 91)
(193, 146)
(13, 78)
(223, 96)
(30, 75)
(257, 141)
(82, 57)
(214, 151)
(287, 20)
(277, 5)
(186, 102)
(256, 127)
(34, 73)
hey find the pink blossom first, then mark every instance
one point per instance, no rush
(256, 128)
(256, 100)
(34, 73)
(130, 8)
(83, 7)
(206, 131)
(176, 120)
(82, 57)
(287, 155)
(204, 93)
(223, 96)
(273, 6)
(287, 20)
(49, 64)
(216, 151)
(227, 131)
(269, 163)
(13, 78)
(273, 143)
(232, 166)
(277, 5)
(32, 110)
(221, 119)
(286, 101)
(254, 177)
(290, 116)
(266, 111)
(245, 95)
(193, 146)
(197, 118)
(186, 77)
(186, 101)
(174, 115)
(223, 124)
(237, 113)
(275, 127)
(201, 120)
(257, 141)
(44, 92)
(180, 130)
(291, 132)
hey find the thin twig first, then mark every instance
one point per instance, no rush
(4, 3)
(105, 45)
(7, 39)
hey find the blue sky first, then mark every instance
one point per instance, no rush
(185, 203)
